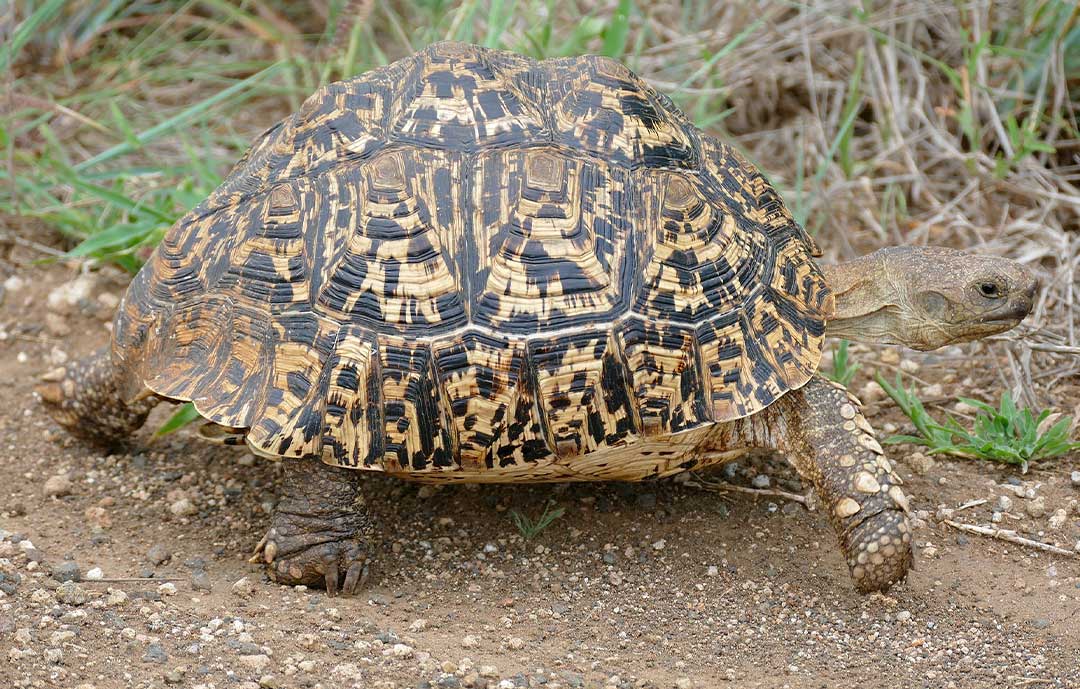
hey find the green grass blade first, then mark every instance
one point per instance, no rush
(27, 29)
(182, 417)
(178, 120)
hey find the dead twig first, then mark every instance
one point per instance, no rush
(130, 580)
(1010, 536)
(972, 503)
(731, 488)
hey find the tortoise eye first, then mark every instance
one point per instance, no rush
(990, 290)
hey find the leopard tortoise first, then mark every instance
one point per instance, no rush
(472, 266)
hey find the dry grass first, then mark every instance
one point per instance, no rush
(883, 123)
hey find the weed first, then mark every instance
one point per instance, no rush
(1007, 434)
(530, 529)
(844, 367)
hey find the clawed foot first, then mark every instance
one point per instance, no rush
(314, 559)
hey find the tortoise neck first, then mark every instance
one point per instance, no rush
(868, 303)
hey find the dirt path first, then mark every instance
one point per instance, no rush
(650, 585)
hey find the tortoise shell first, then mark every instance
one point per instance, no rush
(472, 265)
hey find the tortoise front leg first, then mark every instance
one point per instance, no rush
(315, 535)
(832, 445)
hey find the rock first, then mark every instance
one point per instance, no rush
(115, 597)
(95, 574)
(1004, 503)
(515, 643)
(659, 545)
(71, 593)
(470, 641)
(712, 571)
(401, 651)
(182, 507)
(57, 325)
(67, 570)
(683, 683)
(155, 654)
(933, 390)
(1037, 507)
(1075, 478)
(200, 581)
(908, 366)
(921, 464)
(167, 589)
(903, 616)
(243, 587)
(1041, 623)
(68, 297)
(871, 392)
(760, 481)
(174, 676)
(158, 554)
(269, 682)
(257, 662)
(1058, 519)
(14, 284)
(58, 486)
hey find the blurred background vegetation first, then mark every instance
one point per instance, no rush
(898, 121)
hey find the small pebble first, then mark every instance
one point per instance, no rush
(155, 654)
(1058, 519)
(903, 616)
(58, 486)
(95, 574)
(1037, 507)
(200, 581)
(158, 554)
(243, 587)
(921, 464)
(71, 593)
(67, 570)
(659, 545)
(1075, 478)
(1004, 503)
(182, 507)
(167, 589)
(257, 661)
(760, 481)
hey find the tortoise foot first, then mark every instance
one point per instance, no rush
(316, 559)
(316, 536)
(878, 551)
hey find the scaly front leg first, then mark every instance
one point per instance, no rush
(832, 445)
(315, 533)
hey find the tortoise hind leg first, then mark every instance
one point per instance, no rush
(830, 444)
(86, 398)
(315, 533)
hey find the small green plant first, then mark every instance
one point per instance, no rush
(530, 529)
(1006, 434)
(844, 367)
(180, 418)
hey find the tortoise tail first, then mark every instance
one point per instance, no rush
(85, 397)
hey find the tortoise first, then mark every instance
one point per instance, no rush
(472, 266)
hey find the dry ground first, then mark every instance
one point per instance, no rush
(650, 585)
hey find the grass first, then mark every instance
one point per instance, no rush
(530, 528)
(844, 367)
(1007, 434)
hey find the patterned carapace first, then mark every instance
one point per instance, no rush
(472, 265)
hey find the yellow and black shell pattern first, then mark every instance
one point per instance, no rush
(473, 265)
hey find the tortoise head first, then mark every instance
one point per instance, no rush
(928, 297)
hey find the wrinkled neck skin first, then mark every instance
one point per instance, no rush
(869, 302)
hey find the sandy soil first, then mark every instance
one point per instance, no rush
(650, 585)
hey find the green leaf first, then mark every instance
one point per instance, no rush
(182, 417)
